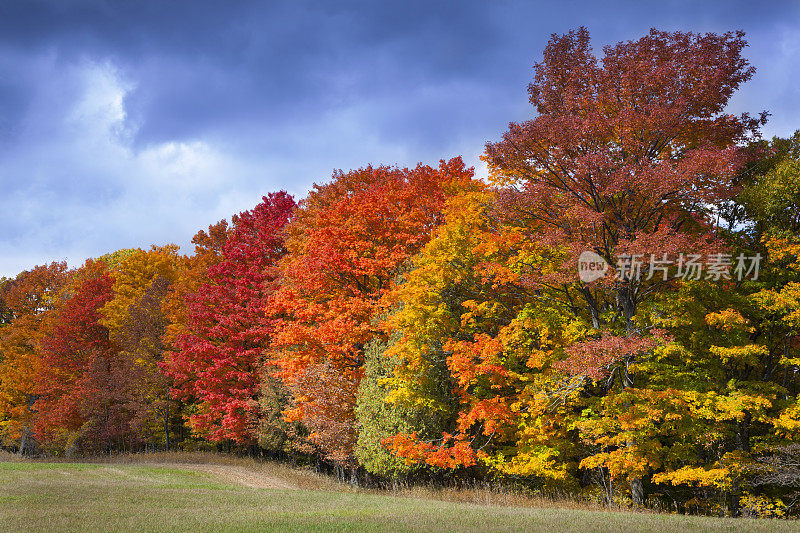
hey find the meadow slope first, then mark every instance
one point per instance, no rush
(196, 495)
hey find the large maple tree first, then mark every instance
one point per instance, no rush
(346, 245)
(627, 156)
(218, 359)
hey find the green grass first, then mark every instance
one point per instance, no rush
(55, 497)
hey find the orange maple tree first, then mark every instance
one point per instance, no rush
(348, 242)
(27, 300)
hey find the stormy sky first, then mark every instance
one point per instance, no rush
(125, 124)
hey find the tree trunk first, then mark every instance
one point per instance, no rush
(637, 488)
(637, 491)
(592, 302)
(743, 432)
(166, 425)
(732, 499)
(166, 431)
(23, 441)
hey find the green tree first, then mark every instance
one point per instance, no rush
(377, 419)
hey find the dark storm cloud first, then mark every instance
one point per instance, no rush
(126, 123)
(199, 66)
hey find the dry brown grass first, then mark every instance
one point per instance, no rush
(254, 473)
(499, 496)
(308, 479)
(8, 457)
(294, 477)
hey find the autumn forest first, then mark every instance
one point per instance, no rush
(423, 325)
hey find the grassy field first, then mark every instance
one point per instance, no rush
(194, 495)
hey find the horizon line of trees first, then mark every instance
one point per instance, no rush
(421, 324)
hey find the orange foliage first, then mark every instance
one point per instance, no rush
(349, 240)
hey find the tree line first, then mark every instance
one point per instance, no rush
(419, 323)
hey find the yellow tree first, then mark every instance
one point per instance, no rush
(137, 324)
(476, 352)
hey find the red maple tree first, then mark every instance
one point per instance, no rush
(219, 357)
(627, 155)
(81, 383)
